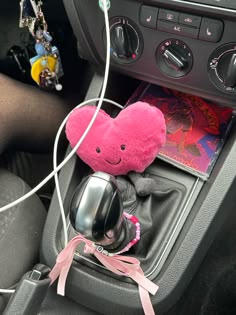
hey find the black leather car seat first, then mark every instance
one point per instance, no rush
(20, 231)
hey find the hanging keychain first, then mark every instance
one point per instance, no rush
(46, 66)
(28, 12)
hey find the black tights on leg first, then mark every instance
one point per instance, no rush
(29, 117)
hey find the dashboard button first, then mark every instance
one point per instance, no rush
(191, 20)
(211, 30)
(148, 16)
(168, 15)
(178, 29)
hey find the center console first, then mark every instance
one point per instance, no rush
(184, 45)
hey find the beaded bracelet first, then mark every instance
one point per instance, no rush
(135, 221)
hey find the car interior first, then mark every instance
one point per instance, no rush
(187, 222)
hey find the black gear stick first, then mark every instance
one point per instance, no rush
(97, 214)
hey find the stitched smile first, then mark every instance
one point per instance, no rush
(116, 163)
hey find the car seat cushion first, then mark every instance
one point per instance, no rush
(20, 229)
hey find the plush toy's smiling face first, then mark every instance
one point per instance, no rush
(129, 142)
(115, 159)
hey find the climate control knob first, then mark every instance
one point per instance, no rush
(227, 69)
(126, 40)
(174, 58)
(222, 68)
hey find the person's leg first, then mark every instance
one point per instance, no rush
(29, 117)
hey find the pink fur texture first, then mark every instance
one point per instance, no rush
(129, 142)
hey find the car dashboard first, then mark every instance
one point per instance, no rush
(184, 45)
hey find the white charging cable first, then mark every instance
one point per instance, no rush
(100, 102)
(62, 164)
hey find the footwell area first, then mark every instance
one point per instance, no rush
(10, 33)
(76, 71)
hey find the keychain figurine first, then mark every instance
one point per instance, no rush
(46, 66)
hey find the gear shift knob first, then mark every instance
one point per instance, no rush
(96, 209)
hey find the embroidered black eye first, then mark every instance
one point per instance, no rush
(123, 146)
(98, 150)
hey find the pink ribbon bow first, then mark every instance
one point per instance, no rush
(120, 265)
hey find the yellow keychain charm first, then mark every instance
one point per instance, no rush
(40, 65)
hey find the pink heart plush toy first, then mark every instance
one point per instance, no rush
(128, 142)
